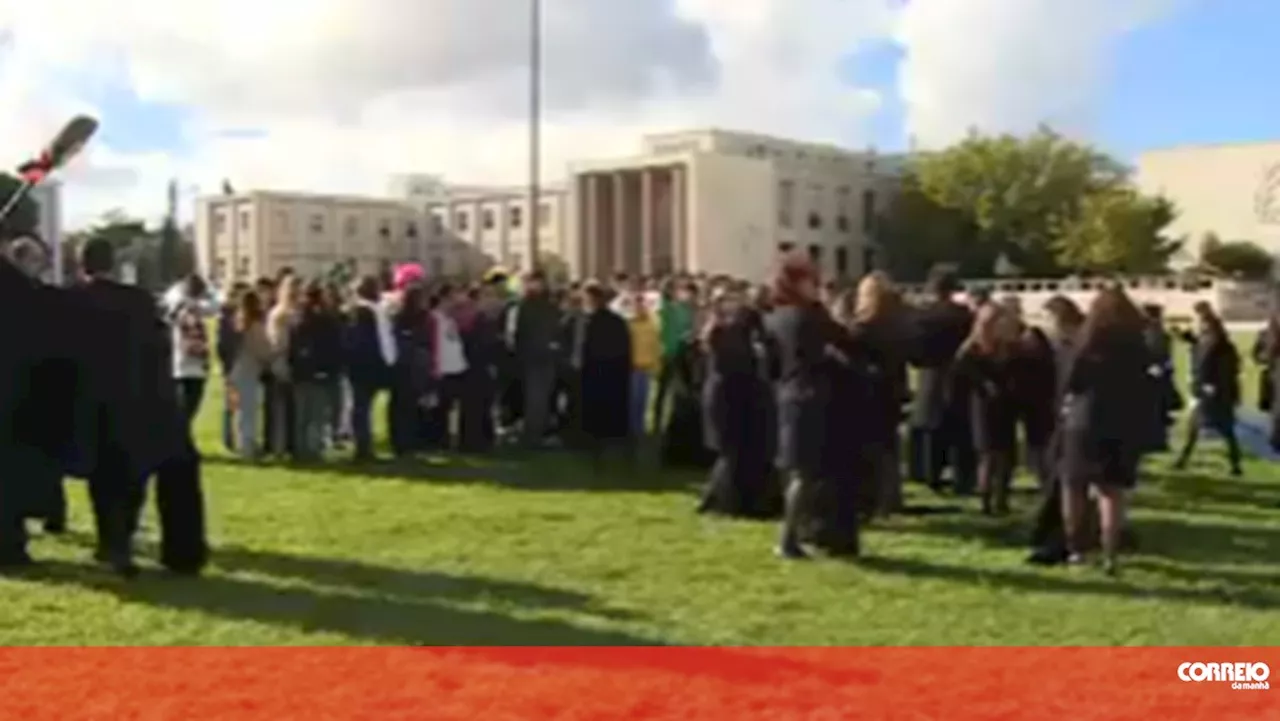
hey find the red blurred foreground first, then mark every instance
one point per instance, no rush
(663, 683)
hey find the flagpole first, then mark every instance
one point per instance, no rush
(533, 218)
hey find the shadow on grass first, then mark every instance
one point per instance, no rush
(427, 616)
(1204, 488)
(1252, 597)
(541, 471)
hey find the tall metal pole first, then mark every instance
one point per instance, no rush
(533, 218)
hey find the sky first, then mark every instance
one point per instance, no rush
(338, 95)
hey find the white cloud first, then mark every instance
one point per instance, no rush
(1009, 65)
(343, 93)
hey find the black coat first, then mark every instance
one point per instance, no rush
(878, 350)
(362, 349)
(1035, 385)
(937, 332)
(1215, 376)
(1108, 396)
(605, 376)
(129, 377)
(804, 337)
(735, 397)
(316, 348)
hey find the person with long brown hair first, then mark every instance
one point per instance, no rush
(253, 356)
(1215, 377)
(1048, 540)
(315, 363)
(1108, 405)
(808, 342)
(984, 370)
(735, 404)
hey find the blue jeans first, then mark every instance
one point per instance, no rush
(639, 401)
(249, 391)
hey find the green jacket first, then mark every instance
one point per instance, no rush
(676, 323)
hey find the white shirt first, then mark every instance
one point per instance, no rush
(451, 357)
(386, 335)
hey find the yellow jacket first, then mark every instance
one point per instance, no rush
(646, 344)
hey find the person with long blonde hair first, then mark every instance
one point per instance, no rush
(281, 320)
(878, 339)
(984, 372)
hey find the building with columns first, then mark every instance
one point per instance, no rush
(727, 202)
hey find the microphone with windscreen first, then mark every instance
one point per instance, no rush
(66, 144)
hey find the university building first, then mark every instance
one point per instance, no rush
(699, 201)
(727, 202)
(1231, 190)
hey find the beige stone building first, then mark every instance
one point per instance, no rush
(1230, 190)
(497, 224)
(726, 202)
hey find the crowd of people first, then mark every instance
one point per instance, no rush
(792, 395)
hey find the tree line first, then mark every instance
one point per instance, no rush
(1039, 205)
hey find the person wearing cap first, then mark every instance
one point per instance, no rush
(939, 329)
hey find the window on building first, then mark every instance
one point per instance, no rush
(843, 208)
(437, 223)
(219, 223)
(515, 217)
(785, 248)
(244, 220)
(351, 227)
(868, 260)
(842, 261)
(868, 211)
(411, 229)
(244, 268)
(384, 228)
(544, 214)
(815, 254)
(317, 223)
(461, 220)
(786, 202)
(815, 221)
(487, 219)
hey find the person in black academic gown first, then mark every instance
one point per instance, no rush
(1105, 428)
(807, 341)
(684, 442)
(736, 407)
(1215, 381)
(34, 413)
(985, 370)
(137, 423)
(602, 353)
(942, 418)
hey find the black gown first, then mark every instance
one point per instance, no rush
(604, 377)
(683, 441)
(738, 423)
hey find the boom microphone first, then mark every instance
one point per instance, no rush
(65, 145)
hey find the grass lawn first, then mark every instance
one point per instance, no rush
(541, 552)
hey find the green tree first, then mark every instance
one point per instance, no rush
(1117, 230)
(1018, 190)
(914, 233)
(1238, 259)
(25, 216)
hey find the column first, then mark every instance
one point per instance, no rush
(646, 221)
(619, 237)
(679, 241)
(590, 239)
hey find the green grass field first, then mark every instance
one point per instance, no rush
(541, 552)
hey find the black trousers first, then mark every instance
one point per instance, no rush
(116, 491)
(180, 506)
(191, 395)
(951, 445)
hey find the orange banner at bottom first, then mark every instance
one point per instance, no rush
(884, 684)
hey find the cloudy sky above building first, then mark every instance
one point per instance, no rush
(336, 95)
